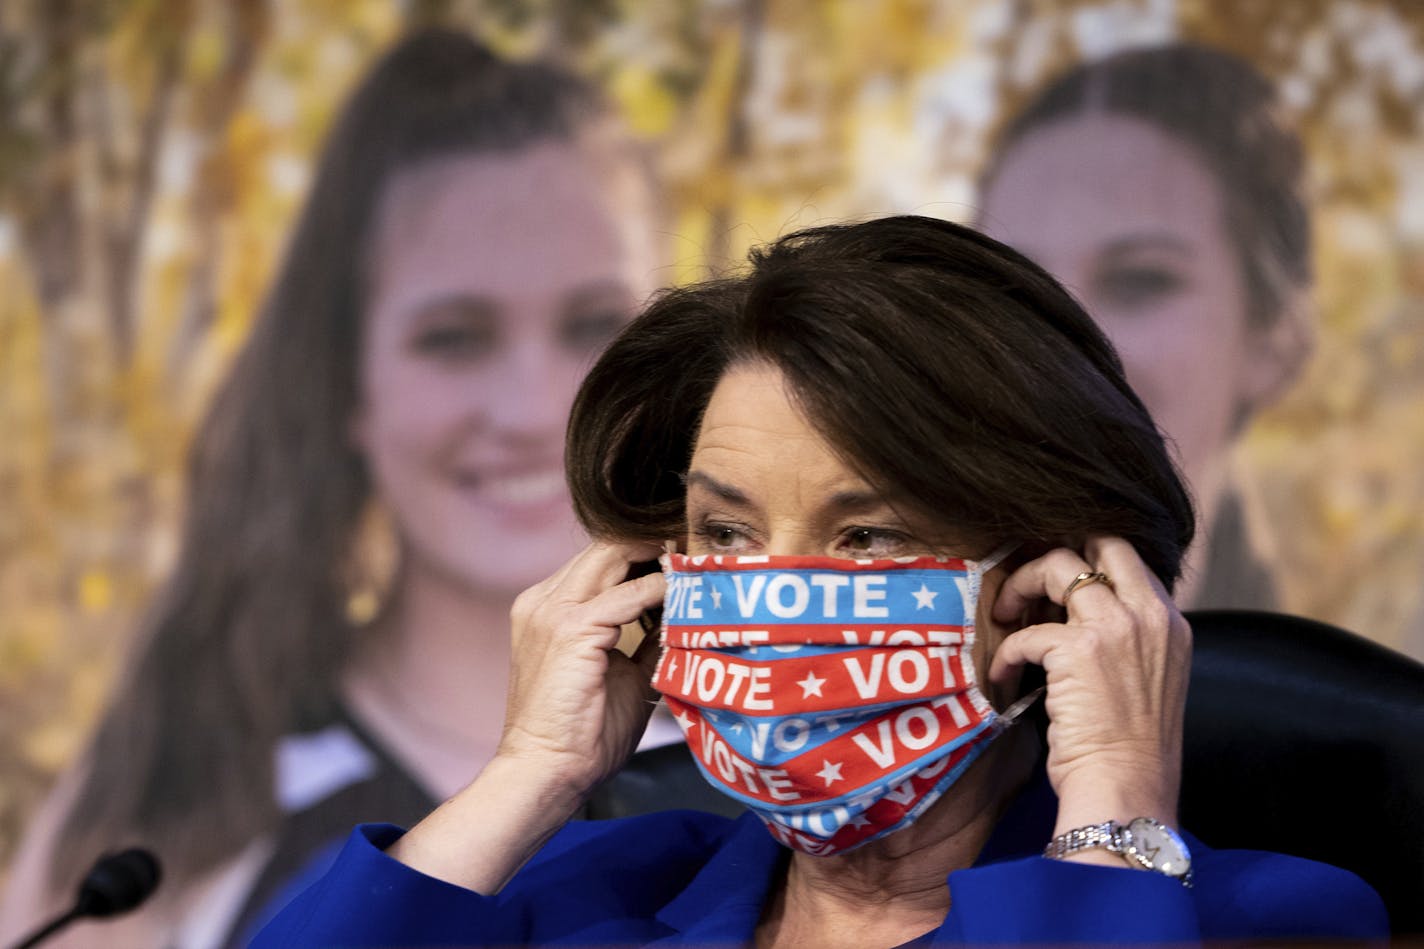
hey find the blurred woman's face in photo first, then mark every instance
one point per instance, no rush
(493, 282)
(1133, 224)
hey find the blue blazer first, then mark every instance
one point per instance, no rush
(680, 878)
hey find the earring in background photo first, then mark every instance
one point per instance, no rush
(371, 564)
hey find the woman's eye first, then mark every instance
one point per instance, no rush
(454, 342)
(721, 538)
(873, 542)
(1138, 286)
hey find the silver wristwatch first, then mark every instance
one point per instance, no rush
(1148, 843)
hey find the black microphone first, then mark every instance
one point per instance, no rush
(116, 883)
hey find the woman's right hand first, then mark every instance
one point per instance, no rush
(576, 710)
(577, 706)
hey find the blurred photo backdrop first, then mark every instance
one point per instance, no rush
(153, 153)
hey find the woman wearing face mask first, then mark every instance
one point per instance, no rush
(1159, 186)
(477, 232)
(901, 465)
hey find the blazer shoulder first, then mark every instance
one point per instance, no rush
(1254, 893)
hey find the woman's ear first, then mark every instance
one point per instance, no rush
(991, 633)
(1279, 353)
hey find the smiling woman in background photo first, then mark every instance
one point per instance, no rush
(1160, 186)
(380, 475)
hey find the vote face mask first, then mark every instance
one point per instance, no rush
(835, 698)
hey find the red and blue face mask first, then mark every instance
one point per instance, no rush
(835, 698)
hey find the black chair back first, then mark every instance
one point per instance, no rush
(1305, 739)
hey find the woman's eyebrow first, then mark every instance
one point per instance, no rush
(724, 491)
(466, 305)
(1149, 240)
(855, 500)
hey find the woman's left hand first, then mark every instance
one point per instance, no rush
(1117, 673)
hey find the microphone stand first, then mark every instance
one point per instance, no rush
(49, 929)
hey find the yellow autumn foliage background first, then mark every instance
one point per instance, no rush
(153, 154)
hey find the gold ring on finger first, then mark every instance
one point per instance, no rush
(1084, 579)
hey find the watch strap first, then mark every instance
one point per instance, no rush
(1105, 835)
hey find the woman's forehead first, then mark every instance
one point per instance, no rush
(1110, 174)
(757, 449)
(753, 428)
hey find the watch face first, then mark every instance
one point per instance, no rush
(1157, 847)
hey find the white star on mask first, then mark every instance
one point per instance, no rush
(924, 597)
(811, 685)
(831, 772)
(684, 721)
(716, 598)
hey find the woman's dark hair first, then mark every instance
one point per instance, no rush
(1227, 113)
(246, 639)
(945, 367)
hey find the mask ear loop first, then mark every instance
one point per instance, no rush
(652, 620)
(997, 555)
(981, 567)
(1010, 716)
